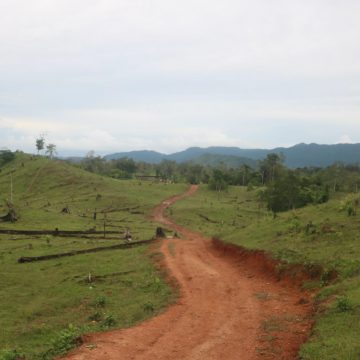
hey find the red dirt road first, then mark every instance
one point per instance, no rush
(227, 310)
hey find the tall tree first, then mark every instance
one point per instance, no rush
(40, 143)
(217, 181)
(51, 150)
(166, 169)
(245, 170)
(271, 167)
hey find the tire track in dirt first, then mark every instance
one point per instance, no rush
(227, 310)
(35, 177)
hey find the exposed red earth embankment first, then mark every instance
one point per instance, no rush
(231, 306)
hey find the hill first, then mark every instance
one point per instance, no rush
(94, 291)
(301, 155)
(203, 156)
(224, 160)
(315, 155)
(147, 156)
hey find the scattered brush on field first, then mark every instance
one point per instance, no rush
(39, 301)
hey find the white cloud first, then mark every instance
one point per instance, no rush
(313, 37)
(345, 139)
(166, 74)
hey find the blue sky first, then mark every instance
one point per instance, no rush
(116, 75)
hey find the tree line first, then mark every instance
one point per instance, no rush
(279, 187)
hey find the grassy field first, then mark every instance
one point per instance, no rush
(322, 234)
(45, 305)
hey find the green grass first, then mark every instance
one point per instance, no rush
(322, 234)
(42, 188)
(45, 305)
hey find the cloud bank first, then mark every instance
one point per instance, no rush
(121, 75)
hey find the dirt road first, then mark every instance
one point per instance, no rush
(227, 310)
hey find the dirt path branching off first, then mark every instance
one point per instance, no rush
(228, 309)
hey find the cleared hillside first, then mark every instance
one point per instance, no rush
(93, 292)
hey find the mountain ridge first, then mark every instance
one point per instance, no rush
(299, 155)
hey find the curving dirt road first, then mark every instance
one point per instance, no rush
(227, 310)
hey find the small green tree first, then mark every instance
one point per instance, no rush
(217, 181)
(291, 191)
(166, 169)
(271, 167)
(245, 171)
(51, 150)
(40, 143)
(6, 156)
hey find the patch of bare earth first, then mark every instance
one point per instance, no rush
(228, 309)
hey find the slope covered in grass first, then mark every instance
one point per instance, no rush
(322, 234)
(42, 188)
(93, 292)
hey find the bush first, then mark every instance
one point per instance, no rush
(6, 156)
(343, 304)
(149, 307)
(100, 302)
(64, 341)
(109, 321)
(294, 225)
(10, 355)
(97, 316)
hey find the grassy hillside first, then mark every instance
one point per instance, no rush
(322, 234)
(45, 305)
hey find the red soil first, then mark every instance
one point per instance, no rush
(231, 307)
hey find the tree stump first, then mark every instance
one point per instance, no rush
(65, 210)
(160, 233)
(10, 216)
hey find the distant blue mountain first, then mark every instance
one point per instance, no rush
(230, 161)
(300, 155)
(196, 152)
(147, 156)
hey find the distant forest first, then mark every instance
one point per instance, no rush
(279, 187)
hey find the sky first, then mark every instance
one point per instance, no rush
(121, 75)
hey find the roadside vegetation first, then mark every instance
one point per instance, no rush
(46, 305)
(325, 234)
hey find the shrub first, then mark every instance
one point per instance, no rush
(10, 355)
(64, 341)
(149, 307)
(343, 304)
(109, 321)
(97, 316)
(6, 156)
(100, 302)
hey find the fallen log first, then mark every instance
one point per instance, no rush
(80, 252)
(54, 232)
(208, 219)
